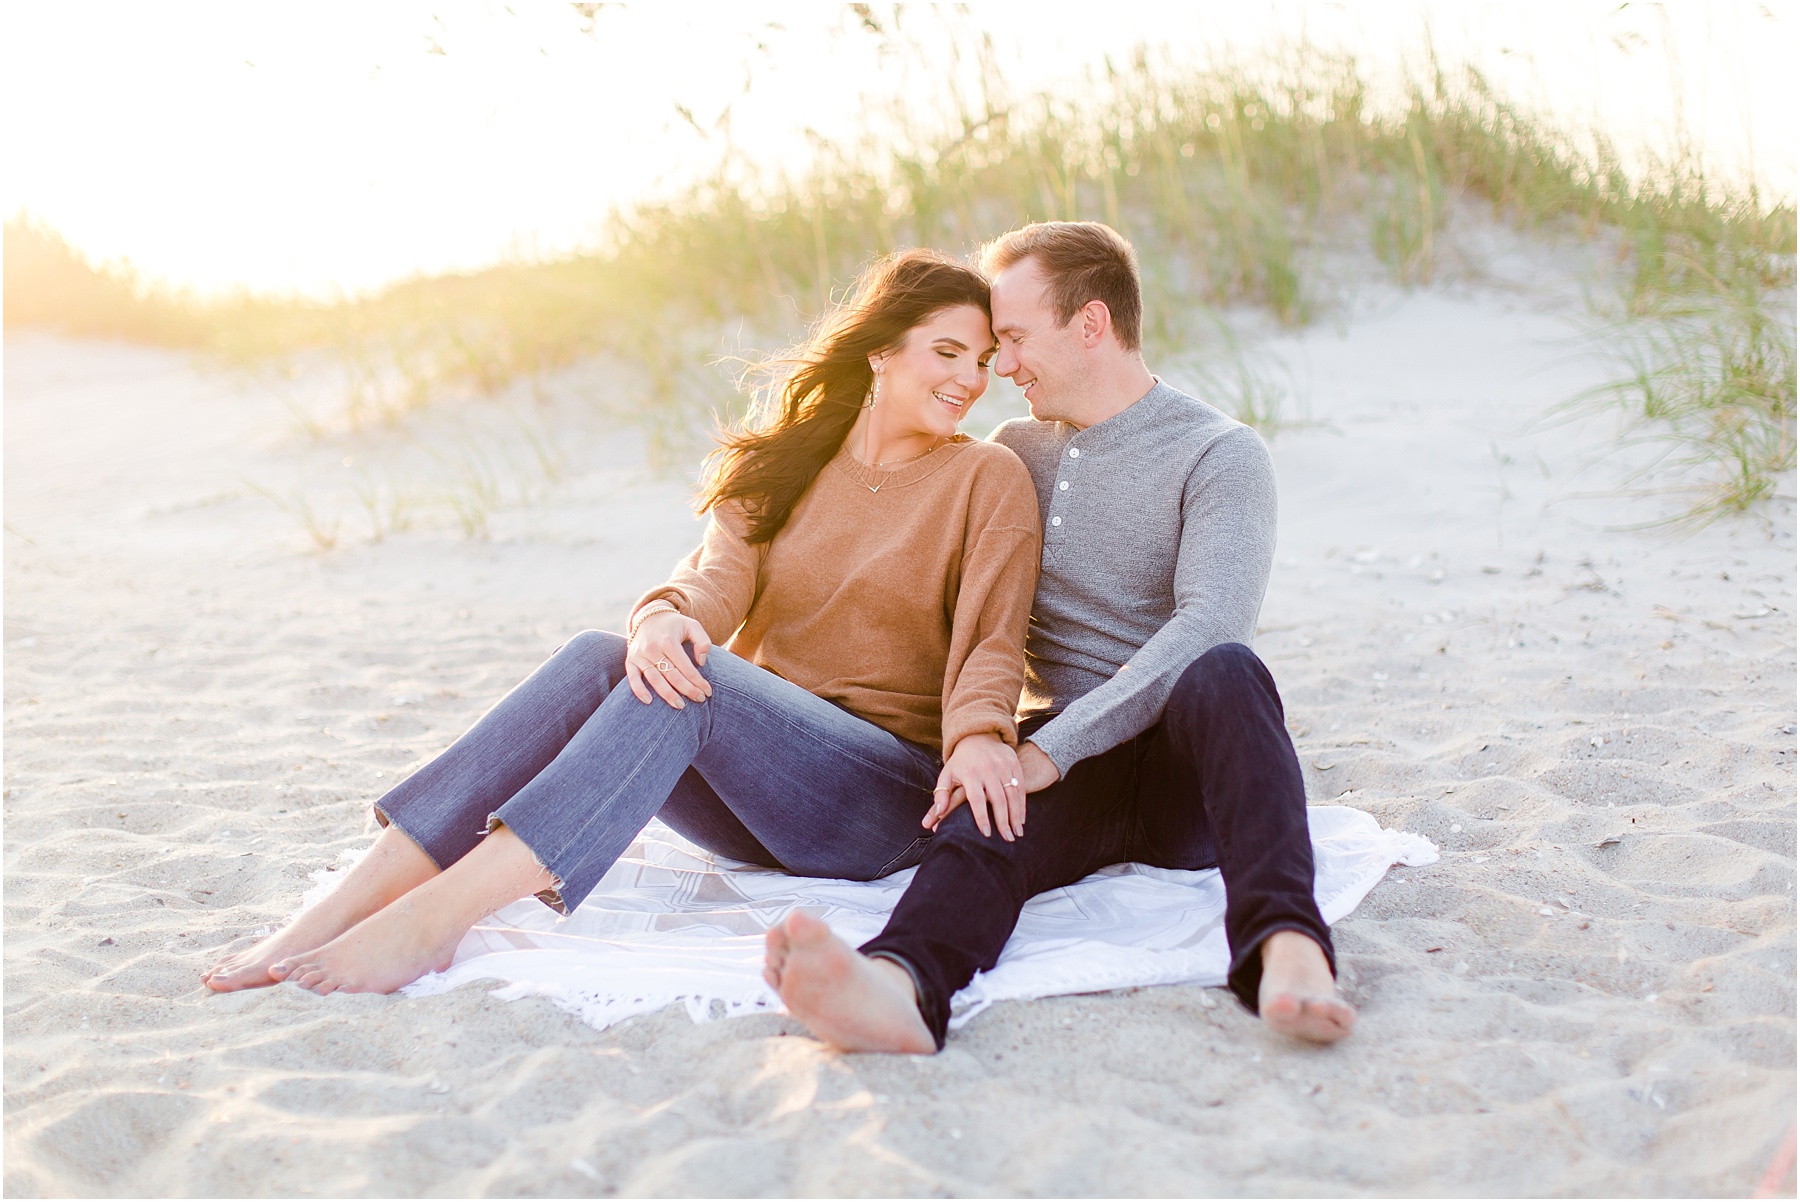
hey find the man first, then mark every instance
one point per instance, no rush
(1150, 732)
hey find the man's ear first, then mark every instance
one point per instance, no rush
(1096, 323)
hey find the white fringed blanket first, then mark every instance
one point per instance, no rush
(670, 924)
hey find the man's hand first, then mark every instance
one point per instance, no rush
(1036, 768)
(983, 771)
(658, 659)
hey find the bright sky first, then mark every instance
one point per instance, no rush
(333, 147)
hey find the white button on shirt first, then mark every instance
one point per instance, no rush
(1056, 521)
(1064, 486)
(1074, 452)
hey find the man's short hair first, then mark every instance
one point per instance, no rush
(1084, 261)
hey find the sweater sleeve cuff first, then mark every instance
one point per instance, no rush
(661, 593)
(980, 721)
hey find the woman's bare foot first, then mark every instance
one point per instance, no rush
(249, 969)
(387, 870)
(418, 933)
(390, 948)
(1298, 996)
(852, 1002)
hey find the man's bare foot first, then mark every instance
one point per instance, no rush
(1297, 996)
(849, 1000)
(388, 949)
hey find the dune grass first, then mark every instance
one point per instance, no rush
(1234, 182)
(1708, 386)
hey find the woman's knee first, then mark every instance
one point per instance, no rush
(601, 645)
(724, 668)
(594, 653)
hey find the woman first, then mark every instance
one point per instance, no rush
(870, 569)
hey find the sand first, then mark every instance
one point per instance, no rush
(1592, 992)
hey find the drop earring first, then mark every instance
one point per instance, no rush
(874, 394)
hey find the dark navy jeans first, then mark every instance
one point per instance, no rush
(1214, 784)
(762, 771)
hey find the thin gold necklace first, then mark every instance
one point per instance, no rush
(881, 465)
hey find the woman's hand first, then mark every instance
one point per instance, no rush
(657, 659)
(984, 771)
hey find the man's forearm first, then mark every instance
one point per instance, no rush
(1125, 706)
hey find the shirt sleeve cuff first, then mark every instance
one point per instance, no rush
(1051, 742)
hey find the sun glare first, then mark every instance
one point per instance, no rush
(330, 150)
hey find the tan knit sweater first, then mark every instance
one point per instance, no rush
(906, 605)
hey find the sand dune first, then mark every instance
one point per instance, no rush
(1592, 993)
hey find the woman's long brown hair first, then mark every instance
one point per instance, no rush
(768, 463)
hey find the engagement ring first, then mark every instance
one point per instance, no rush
(1013, 781)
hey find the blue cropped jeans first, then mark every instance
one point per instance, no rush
(762, 771)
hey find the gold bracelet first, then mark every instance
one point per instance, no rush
(637, 619)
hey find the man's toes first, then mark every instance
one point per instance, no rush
(1279, 1009)
(1317, 1019)
(1331, 1014)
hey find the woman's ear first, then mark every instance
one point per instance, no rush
(877, 363)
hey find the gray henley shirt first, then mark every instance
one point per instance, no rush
(1159, 531)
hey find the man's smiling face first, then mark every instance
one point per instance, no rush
(1040, 354)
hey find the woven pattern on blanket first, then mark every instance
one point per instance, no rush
(671, 923)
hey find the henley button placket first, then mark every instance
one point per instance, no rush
(1056, 519)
